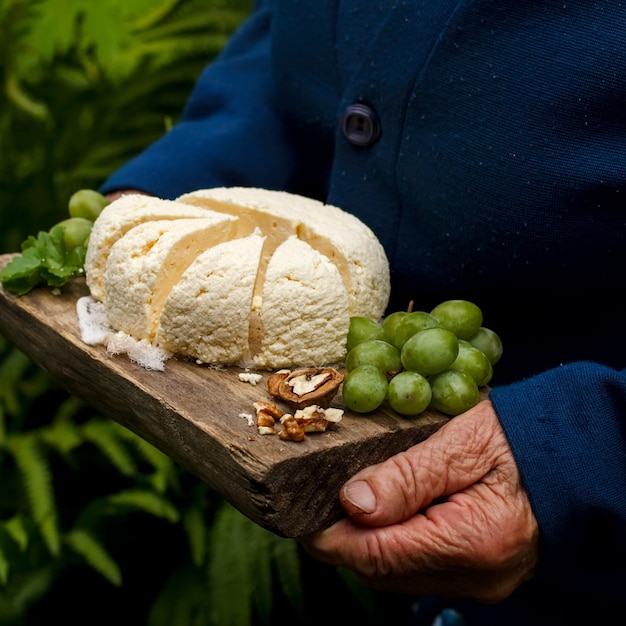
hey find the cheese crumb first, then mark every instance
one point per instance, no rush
(248, 417)
(249, 377)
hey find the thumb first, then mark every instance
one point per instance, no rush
(458, 455)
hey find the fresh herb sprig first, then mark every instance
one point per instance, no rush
(53, 257)
(45, 260)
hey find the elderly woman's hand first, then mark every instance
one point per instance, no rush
(448, 516)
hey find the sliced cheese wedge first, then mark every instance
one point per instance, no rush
(305, 312)
(148, 261)
(207, 313)
(116, 219)
(340, 236)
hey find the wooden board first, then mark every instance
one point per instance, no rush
(193, 414)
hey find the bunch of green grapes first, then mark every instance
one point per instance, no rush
(84, 206)
(418, 360)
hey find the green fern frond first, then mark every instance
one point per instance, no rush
(166, 472)
(260, 543)
(90, 549)
(18, 96)
(63, 434)
(37, 478)
(16, 529)
(150, 18)
(3, 427)
(12, 371)
(241, 559)
(23, 591)
(4, 567)
(105, 436)
(288, 567)
(182, 601)
(13, 542)
(195, 527)
(230, 574)
(146, 501)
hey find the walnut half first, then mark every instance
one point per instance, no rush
(304, 387)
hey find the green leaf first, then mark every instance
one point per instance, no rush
(37, 478)
(241, 563)
(44, 260)
(16, 529)
(182, 601)
(146, 501)
(26, 591)
(21, 274)
(288, 567)
(105, 436)
(230, 572)
(87, 546)
(196, 529)
(4, 567)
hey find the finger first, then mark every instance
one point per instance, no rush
(469, 546)
(461, 453)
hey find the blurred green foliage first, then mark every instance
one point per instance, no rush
(85, 86)
(96, 525)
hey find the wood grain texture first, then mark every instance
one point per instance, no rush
(194, 413)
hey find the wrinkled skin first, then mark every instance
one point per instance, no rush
(446, 517)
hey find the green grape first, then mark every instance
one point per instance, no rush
(409, 393)
(375, 352)
(474, 362)
(454, 392)
(430, 351)
(76, 231)
(363, 329)
(462, 317)
(87, 203)
(412, 323)
(390, 324)
(364, 389)
(488, 342)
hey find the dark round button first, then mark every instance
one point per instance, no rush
(360, 125)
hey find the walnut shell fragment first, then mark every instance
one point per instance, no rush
(304, 387)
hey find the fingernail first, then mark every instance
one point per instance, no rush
(360, 494)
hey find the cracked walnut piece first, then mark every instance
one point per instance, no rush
(313, 418)
(305, 387)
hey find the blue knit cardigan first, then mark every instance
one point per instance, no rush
(498, 175)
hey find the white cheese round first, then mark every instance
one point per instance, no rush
(241, 276)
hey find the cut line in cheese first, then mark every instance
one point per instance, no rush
(207, 313)
(338, 235)
(116, 219)
(305, 309)
(148, 261)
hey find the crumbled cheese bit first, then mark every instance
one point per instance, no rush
(333, 415)
(249, 377)
(248, 417)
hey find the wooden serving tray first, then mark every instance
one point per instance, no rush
(193, 414)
